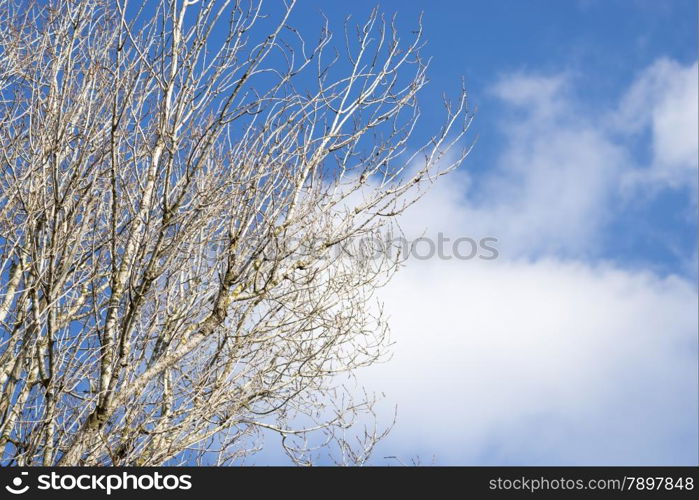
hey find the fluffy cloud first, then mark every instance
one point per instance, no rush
(562, 170)
(546, 362)
(664, 98)
(547, 356)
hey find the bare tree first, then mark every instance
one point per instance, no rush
(177, 177)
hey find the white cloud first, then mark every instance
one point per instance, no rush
(563, 167)
(550, 189)
(533, 358)
(664, 98)
(549, 193)
(555, 362)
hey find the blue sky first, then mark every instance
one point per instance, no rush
(579, 344)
